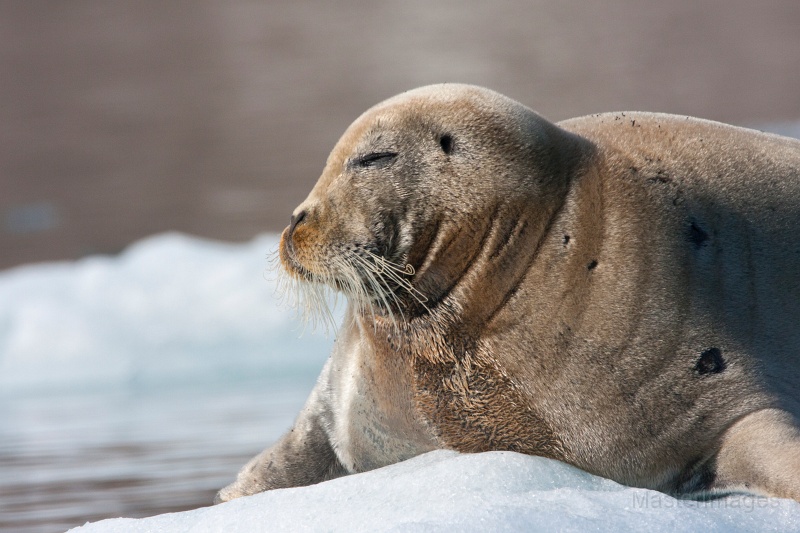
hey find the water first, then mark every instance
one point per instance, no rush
(68, 458)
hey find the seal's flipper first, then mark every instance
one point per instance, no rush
(761, 453)
(303, 456)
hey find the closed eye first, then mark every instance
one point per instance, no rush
(375, 159)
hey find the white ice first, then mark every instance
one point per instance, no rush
(445, 491)
(170, 309)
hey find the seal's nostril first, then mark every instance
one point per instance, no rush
(296, 219)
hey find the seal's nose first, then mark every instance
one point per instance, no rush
(295, 220)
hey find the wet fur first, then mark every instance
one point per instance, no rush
(618, 291)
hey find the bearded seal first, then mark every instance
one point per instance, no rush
(619, 291)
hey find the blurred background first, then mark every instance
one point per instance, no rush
(139, 382)
(127, 118)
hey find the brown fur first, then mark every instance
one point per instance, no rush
(619, 291)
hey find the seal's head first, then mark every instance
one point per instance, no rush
(431, 162)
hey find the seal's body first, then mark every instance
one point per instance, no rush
(620, 292)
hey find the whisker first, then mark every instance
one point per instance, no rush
(309, 299)
(371, 271)
(393, 271)
(381, 290)
(368, 281)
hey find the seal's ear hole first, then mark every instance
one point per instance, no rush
(446, 142)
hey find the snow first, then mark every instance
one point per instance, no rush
(446, 491)
(146, 318)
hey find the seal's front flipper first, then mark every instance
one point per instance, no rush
(303, 456)
(761, 453)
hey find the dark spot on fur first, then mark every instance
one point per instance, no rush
(446, 142)
(697, 236)
(592, 265)
(566, 240)
(710, 362)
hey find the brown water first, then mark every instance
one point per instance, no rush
(66, 459)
